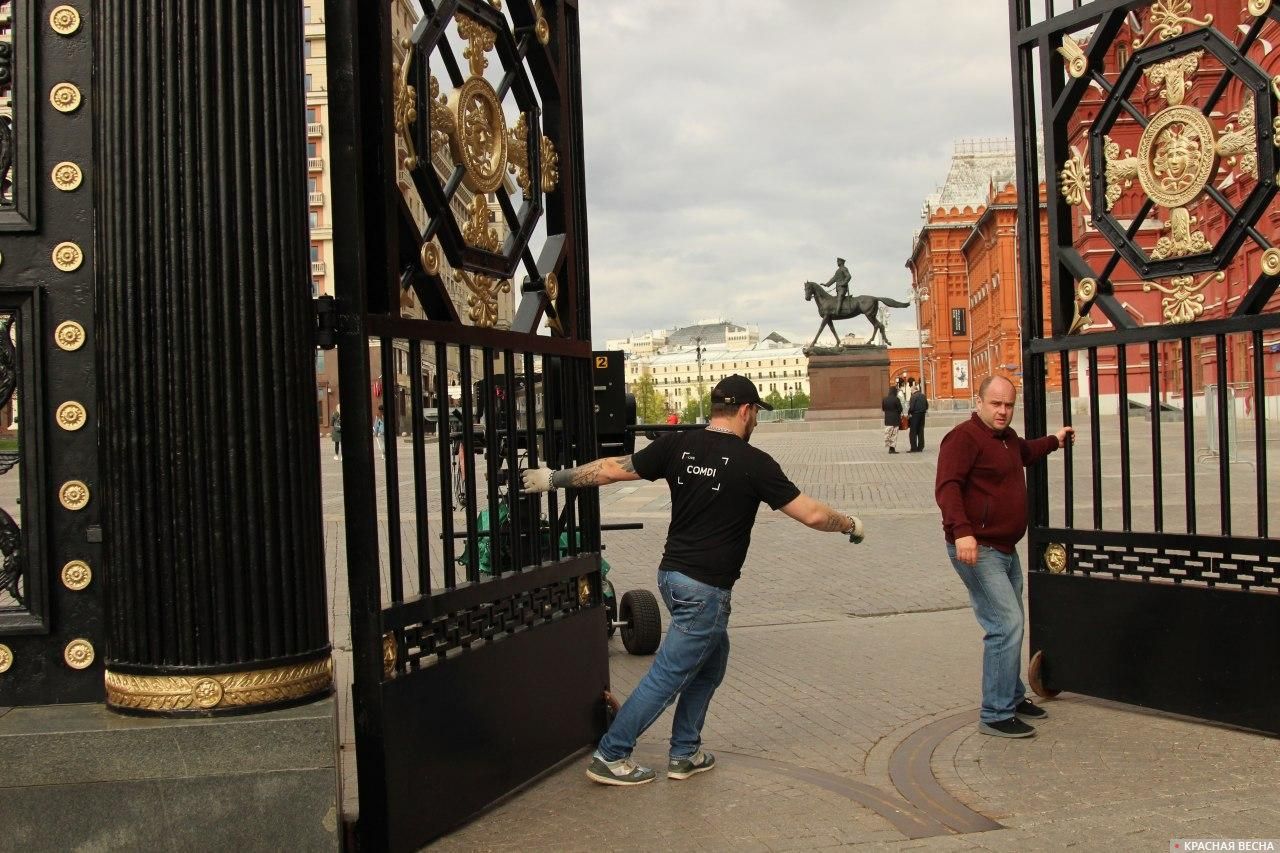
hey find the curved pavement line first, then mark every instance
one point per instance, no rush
(905, 818)
(912, 774)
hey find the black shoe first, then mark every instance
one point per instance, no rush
(1012, 727)
(893, 450)
(1029, 710)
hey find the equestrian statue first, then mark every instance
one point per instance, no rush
(841, 306)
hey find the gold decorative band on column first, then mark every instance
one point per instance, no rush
(69, 336)
(6, 658)
(219, 691)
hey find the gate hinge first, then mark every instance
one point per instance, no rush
(326, 322)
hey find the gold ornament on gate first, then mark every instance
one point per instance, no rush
(389, 654)
(1184, 302)
(65, 97)
(429, 255)
(1258, 8)
(69, 336)
(70, 416)
(1055, 558)
(66, 176)
(1073, 55)
(67, 256)
(1177, 155)
(1271, 262)
(74, 495)
(541, 30)
(64, 20)
(79, 654)
(1168, 18)
(6, 657)
(76, 575)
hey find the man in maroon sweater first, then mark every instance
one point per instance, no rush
(982, 492)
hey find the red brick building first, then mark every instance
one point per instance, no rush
(965, 276)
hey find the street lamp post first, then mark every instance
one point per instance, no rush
(698, 355)
(920, 295)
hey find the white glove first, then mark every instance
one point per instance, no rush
(535, 481)
(857, 533)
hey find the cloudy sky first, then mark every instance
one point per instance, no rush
(736, 147)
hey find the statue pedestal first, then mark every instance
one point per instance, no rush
(848, 382)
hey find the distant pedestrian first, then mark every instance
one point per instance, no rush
(380, 434)
(982, 492)
(673, 418)
(717, 482)
(892, 406)
(335, 432)
(916, 408)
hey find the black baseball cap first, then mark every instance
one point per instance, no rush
(738, 390)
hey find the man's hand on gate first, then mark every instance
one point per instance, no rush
(967, 550)
(1066, 435)
(535, 481)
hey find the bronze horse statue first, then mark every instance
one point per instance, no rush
(866, 306)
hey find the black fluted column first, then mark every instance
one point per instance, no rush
(210, 449)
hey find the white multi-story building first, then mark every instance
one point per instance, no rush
(701, 355)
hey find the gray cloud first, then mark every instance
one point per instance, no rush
(735, 148)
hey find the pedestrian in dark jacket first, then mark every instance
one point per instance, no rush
(892, 405)
(916, 408)
(335, 432)
(982, 492)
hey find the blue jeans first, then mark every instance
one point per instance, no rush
(690, 664)
(995, 590)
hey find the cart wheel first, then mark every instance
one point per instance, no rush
(610, 605)
(1035, 674)
(642, 628)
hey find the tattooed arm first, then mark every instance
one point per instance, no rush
(818, 515)
(599, 472)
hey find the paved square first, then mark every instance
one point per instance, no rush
(847, 716)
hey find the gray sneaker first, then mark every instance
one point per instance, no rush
(683, 768)
(621, 772)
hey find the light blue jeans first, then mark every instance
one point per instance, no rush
(995, 591)
(690, 664)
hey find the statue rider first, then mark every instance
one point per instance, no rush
(840, 279)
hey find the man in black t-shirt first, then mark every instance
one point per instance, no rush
(717, 482)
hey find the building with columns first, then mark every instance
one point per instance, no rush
(672, 360)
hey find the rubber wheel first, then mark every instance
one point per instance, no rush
(610, 605)
(1036, 672)
(642, 622)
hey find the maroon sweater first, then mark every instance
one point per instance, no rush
(981, 488)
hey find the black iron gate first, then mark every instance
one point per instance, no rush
(478, 636)
(1154, 579)
(50, 570)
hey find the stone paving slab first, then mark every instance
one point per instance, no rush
(840, 654)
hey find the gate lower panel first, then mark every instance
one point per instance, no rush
(454, 758)
(1203, 652)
